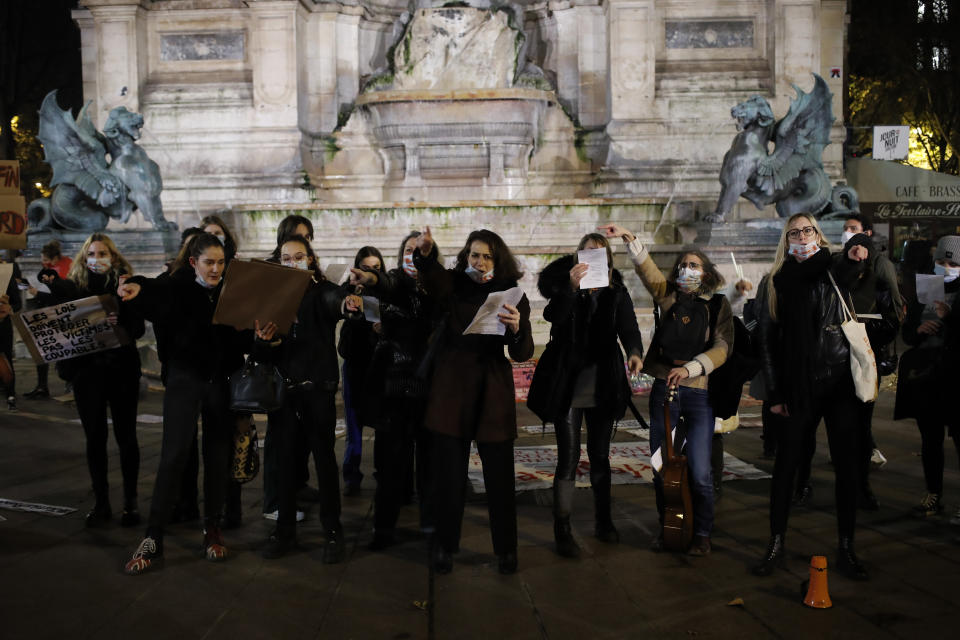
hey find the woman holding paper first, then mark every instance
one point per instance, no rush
(924, 387)
(693, 337)
(581, 375)
(471, 392)
(307, 358)
(805, 361)
(107, 379)
(200, 356)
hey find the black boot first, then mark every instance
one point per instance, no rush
(774, 557)
(604, 530)
(566, 545)
(442, 560)
(847, 562)
(334, 547)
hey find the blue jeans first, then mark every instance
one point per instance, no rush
(353, 451)
(693, 405)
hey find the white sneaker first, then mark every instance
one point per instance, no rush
(955, 520)
(877, 460)
(273, 515)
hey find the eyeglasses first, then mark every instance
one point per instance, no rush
(806, 232)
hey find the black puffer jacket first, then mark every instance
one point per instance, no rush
(125, 358)
(308, 352)
(805, 350)
(584, 332)
(184, 311)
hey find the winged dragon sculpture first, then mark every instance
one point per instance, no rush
(87, 189)
(792, 176)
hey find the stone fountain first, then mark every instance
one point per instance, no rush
(457, 115)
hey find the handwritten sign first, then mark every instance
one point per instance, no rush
(891, 143)
(13, 222)
(70, 329)
(9, 177)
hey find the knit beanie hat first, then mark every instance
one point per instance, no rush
(948, 248)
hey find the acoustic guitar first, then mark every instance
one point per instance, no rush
(677, 504)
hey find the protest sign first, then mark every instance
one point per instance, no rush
(70, 329)
(9, 178)
(13, 222)
(891, 143)
(930, 288)
(256, 290)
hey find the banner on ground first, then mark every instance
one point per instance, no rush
(70, 329)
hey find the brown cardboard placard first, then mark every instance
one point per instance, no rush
(259, 290)
(13, 222)
(70, 329)
(9, 178)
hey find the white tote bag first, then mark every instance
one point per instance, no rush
(863, 364)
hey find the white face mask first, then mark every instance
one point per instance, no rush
(949, 273)
(688, 279)
(478, 277)
(99, 265)
(298, 264)
(408, 266)
(803, 251)
(845, 237)
(203, 283)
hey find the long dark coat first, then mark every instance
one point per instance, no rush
(471, 390)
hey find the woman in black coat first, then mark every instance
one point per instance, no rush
(200, 356)
(397, 386)
(105, 379)
(805, 360)
(307, 359)
(582, 375)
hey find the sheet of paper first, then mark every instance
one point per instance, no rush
(486, 322)
(371, 309)
(736, 267)
(334, 272)
(36, 284)
(598, 274)
(656, 458)
(6, 272)
(929, 288)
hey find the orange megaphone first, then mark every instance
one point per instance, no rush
(818, 595)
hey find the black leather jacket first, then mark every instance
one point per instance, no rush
(829, 356)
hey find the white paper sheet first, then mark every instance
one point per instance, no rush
(598, 274)
(334, 272)
(929, 288)
(486, 321)
(6, 272)
(36, 284)
(371, 309)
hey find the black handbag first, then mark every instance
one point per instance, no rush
(246, 457)
(887, 359)
(257, 387)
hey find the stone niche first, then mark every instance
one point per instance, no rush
(458, 115)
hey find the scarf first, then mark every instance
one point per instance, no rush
(799, 316)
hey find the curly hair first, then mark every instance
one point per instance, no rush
(504, 264)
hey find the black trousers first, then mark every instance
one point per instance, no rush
(599, 431)
(451, 456)
(840, 408)
(6, 348)
(402, 449)
(118, 390)
(311, 415)
(865, 445)
(933, 428)
(188, 397)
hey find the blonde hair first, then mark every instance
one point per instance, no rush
(79, 273)
(783, 250)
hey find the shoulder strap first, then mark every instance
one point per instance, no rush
(715, 304)
(843, 303)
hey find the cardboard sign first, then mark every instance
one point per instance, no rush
(258, 290)
(9, 178)
(70, 329)
(13, 221)
(891, 143)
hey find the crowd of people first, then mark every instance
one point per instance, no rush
(430, 385)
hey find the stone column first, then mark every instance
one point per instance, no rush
(581, 59)
(119, 43)
(833, 36)
(797, 44)
(273, 32)
(632, 36)
(88, 56)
